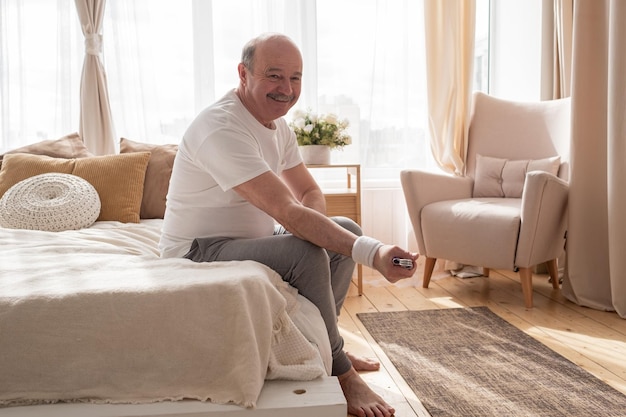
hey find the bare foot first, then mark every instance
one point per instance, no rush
(363, 364)
(362, 401)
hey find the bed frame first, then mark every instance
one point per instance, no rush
(320, 397)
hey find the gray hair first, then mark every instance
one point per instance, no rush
(247, 54)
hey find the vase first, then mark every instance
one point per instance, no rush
(315, 154)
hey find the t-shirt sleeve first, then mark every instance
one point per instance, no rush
(231, 158)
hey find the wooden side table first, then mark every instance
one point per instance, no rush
(346, 200)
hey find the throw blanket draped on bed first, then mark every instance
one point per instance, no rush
(95, 315)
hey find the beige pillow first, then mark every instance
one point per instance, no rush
(117, 178)
(70, 146)
(158, 175)
(497, 177)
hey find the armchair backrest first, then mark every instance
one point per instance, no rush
(518, 130)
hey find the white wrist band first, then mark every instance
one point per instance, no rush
(364, 249)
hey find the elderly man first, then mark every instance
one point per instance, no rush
(238, 172)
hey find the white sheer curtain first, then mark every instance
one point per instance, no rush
(41, 54)
(165, 60)
(160, 79)
(363, 60)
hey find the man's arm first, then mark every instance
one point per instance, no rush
(270, 194)
(305, 188)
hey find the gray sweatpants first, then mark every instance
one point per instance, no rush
(321, 276)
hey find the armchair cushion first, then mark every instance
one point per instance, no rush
(498, 177)
(464, 230)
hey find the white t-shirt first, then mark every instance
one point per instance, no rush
(223, 147)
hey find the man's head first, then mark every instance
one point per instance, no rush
(270, 75)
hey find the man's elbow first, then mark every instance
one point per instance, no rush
(292, 217)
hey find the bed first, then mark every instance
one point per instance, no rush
(93, 321)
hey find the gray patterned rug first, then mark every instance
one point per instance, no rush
(469, 362)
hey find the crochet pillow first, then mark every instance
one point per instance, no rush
(51, 202)
(117, 178)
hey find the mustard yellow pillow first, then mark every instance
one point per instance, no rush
(118, 179)
(19, 166)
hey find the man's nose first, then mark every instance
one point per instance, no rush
(286, 86)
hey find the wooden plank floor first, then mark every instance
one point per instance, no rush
(595, 340)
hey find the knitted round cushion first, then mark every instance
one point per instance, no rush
(51, 202)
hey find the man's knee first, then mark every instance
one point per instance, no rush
(310, 272)
(308, 252)
(348, 224)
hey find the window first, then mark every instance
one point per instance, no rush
(166, 60)
(41, 54)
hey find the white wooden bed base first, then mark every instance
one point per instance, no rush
(320, 397)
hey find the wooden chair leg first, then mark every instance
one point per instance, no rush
(485, 272)
(429, 265)
(526, 277)
(553, 270)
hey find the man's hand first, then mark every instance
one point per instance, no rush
(383, 262)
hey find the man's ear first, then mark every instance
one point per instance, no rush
(243, 74)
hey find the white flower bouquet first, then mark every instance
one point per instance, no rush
(312, 129)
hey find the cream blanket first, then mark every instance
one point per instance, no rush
(95, 315)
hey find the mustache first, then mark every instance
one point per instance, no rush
(280, 97)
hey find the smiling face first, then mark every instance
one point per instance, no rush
(270, 85)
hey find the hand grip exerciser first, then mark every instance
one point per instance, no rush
(404, 263)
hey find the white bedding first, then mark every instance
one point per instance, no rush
(94, 315)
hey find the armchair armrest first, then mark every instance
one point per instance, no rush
(422, 188)
(543, 219)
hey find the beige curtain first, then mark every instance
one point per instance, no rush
(558, 19)
(449, 26)
(96, 124)
(596, 245)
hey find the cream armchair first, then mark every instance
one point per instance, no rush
(510, 209)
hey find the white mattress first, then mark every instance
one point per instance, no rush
(94, 315)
